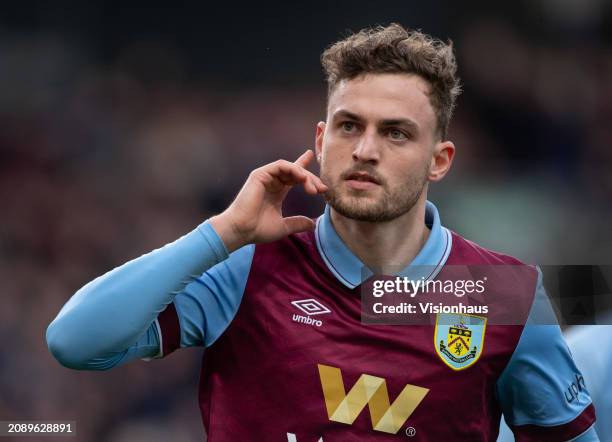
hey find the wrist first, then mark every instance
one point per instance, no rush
(227, 230)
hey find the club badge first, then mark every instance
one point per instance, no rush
(459, 339)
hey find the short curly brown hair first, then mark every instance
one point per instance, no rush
(395, 49)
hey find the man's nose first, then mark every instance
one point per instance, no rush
(367, 149)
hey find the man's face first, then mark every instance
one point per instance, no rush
(377, 147)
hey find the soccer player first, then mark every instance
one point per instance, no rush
(275, 300)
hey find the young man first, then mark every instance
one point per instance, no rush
(276, 300)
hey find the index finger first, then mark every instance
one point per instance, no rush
(305, 158)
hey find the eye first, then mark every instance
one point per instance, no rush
(397, 135)
(348, 126)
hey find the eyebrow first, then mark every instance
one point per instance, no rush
(387, 122)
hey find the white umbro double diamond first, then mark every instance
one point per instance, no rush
(311, 307)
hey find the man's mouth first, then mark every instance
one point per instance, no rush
(362, 176)
(361, 181)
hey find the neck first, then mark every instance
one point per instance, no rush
(388, 245)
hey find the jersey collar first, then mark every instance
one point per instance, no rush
(349, 269)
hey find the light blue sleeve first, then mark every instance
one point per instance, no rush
(112, 319)
(541, 386)
(206, 306)
(591, 347)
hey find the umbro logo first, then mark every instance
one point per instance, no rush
(311, 307)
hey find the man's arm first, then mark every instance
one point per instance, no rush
(541, 392)
(113, 318)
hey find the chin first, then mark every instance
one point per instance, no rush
(359, 209)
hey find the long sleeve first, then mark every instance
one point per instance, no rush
(542, 392)
(111, 319)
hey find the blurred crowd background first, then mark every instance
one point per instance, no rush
(122, 128)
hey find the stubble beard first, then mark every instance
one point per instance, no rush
(392, 204)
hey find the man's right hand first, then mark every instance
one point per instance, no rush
(255, 216)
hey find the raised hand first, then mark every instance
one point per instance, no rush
(255, 215)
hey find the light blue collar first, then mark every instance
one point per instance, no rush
(348, 268)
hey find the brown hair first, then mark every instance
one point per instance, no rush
(394, 49)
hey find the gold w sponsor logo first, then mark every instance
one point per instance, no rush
(370, 391)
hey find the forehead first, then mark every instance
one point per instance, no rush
(383, 97)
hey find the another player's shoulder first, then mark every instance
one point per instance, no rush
(465, 251)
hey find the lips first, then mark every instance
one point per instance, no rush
(362, 176)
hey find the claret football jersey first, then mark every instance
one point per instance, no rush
(288, 358)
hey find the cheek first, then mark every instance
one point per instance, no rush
(335, 156)
(329, 166)
(402, 171)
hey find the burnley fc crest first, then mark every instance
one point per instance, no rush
(459, 339)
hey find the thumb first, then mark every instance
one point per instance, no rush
(295, 224)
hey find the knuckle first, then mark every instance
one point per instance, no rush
(257, 173)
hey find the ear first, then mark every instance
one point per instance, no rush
(320, 130)
(441, 161)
